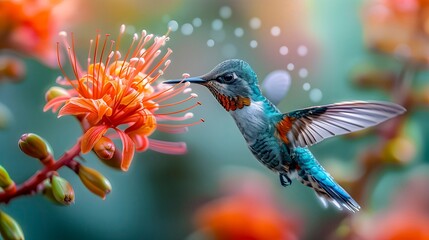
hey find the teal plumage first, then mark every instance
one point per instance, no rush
(280, 140)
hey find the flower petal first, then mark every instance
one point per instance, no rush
(55, 103)
(91, 137)
(176, 148)
(127, 150)
(94, 109)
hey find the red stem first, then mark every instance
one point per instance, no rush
(30, 186)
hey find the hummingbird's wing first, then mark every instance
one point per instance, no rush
(308, 126)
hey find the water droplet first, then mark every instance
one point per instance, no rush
(303, 72)
(255, 23)
(253, 44)
(306, 86)
(290, 67)
(302, 50)
(187, 29)
(238, 32)
(197, 22)
(283, 50)
(275, 31)
(173, 25)
(225, 12)
(210, 43)
(276, 85)
(316, 95)
(217, 24)
(229, 50)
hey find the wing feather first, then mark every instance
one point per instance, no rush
(311, 125)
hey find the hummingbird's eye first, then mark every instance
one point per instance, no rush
(229, 77)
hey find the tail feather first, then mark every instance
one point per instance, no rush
(312, 174)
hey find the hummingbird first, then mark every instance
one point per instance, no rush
(279, 140)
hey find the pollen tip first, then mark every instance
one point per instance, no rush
(135, 36)
(199, 103)
(189, 115)
(62, 34)
(122, 29)
(144, 33)
(111, 54)
(186, 75)
(194, 95)
(202, 120)
(187, 90)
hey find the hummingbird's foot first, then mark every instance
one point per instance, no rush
(285, 180)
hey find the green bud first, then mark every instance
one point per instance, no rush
(55, 92)
(35, 146)
(62, 190)
(5, 180)
(9, 228)
(48, 192)
(94, 181)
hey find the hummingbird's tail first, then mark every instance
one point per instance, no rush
(312, 174)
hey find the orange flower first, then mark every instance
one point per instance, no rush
(398, 27)
(117, 94)
(28, 26)
(248, 211)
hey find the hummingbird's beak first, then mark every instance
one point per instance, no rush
(197, 80)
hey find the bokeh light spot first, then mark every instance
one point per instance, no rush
(302, 50)
(306, 86)
(283, 50)
(173, 25)
(225, 12)
(275, 31)
(255, 23)
(187, 29)
(210, 43)
(217, 24)
(197, 22)
(276, 85)
(316, 95)
(253, 44)
(303, 73)
(238, 32)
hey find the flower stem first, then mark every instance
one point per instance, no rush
(30, 186)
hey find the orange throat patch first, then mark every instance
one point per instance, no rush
(232, 103)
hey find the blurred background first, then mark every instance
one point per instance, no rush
(327, 51)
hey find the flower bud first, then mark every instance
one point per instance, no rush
(48, 192)
(12, 68)
(104, 148)
(35, 146)
(114, 162)
(5, 180)
(9, 228)
(62, 190)
(55, 92)
(94, 181)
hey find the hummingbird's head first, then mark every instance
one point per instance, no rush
(231, 80)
